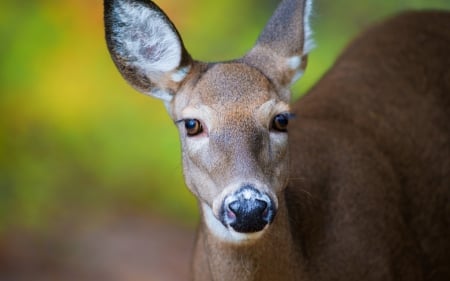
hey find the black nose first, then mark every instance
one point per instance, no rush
(248, 210)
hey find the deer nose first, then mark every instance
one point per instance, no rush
(248, 210)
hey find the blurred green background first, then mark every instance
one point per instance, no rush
(77, 142)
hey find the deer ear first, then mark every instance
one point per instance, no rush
(146, 47)
(282, 48)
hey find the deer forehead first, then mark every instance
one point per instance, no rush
(234, 83)
(231, 91)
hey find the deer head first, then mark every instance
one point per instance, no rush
(232, 116)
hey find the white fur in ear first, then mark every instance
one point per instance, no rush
(161, 94)
(145, 38)
(308, 44)
(295, 63)
(180, 74)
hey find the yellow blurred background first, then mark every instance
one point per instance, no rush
(78, 145)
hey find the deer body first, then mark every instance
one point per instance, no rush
(375, 133)
(359, 190)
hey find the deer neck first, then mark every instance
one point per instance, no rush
(274, 256)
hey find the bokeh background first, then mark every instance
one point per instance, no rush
(90, 175)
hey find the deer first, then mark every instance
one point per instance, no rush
(350, 182)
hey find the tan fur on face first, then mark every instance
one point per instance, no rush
(235, 104)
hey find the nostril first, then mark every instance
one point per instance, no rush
(261, 206)
(231, 213)
(266, 211)
(234, 207)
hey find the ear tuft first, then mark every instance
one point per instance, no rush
(145, 46)
(181, 73)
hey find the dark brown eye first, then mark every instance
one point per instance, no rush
(280, 122)
(193, 127)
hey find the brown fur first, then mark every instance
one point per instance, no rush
(376, 133)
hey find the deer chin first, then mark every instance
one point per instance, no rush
(226, 233)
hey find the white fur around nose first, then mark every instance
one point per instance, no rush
(147, 40)
(247, 194)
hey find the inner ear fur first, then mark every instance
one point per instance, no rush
(146, 47)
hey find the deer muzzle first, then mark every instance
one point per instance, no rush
(247, 210)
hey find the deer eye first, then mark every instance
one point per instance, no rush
(280, 122)
(193, 127)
